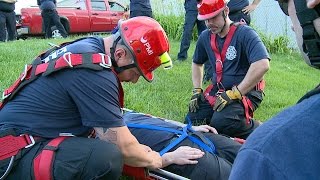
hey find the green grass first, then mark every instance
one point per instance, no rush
(168, 95)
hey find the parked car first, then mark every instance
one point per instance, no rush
(77, 16)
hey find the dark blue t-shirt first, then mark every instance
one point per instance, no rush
(190, 5)
(140, 5)
(67, 101)
(157, 140)
(285, 147)
(245, 48)
(237, 5)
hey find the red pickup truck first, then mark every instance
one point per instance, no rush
(77, 16)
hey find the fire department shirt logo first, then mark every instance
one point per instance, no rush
(231, 53)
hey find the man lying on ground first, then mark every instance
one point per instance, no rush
(162, 134)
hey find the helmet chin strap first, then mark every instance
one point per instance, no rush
(225, 22)
(118, 69)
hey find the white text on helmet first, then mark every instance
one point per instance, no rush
(147, 45)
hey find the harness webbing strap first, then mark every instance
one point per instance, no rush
(10, 145)
(221, 55)
(183, 134)
(95, 61)
(248, 107)
(175, 142)
(43, 163)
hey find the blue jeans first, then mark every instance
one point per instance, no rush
(189, 23)
(7, 22)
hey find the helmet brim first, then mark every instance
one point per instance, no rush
(209, 16)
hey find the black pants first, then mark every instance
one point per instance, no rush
(7, 21)
(76, 158)
(210, 166)
(51, 18)
(231, 120)
(189, 22)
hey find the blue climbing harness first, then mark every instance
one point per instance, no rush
(186, 132)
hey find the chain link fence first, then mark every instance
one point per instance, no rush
(267, 18)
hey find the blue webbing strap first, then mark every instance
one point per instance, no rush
(183, 134)
(211, 148)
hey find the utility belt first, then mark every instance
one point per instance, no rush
(248, 107)
(11, 146)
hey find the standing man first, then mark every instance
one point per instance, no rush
(190, 19)
(72, 92)
(140, 8)
(285, 147)
(7, 20)
(51, 18)
(240, 10)
(239, 60)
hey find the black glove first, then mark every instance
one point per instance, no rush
(226, 98)
(196, 98)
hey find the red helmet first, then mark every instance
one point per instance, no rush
(210, 8)
(147, 42)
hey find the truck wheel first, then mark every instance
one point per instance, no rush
(56, 33)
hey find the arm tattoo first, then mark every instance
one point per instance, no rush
(107, 134)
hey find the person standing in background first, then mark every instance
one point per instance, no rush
(190, 20)
(140, 8)
(7, 20)
(240, 10)
(50, 17)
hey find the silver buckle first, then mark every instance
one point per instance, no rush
(219, 61)
(66, 134)
(221, 89)
(5, 96)
(103, 61)
(32, 141)
(68, 60)
(24, 72)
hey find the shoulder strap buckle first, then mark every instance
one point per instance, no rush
(106, 64)
(67, 58)
(5, 95)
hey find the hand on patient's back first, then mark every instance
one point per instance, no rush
(186, 155)
(205, 128)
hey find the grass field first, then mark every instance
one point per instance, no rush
(168, 96)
